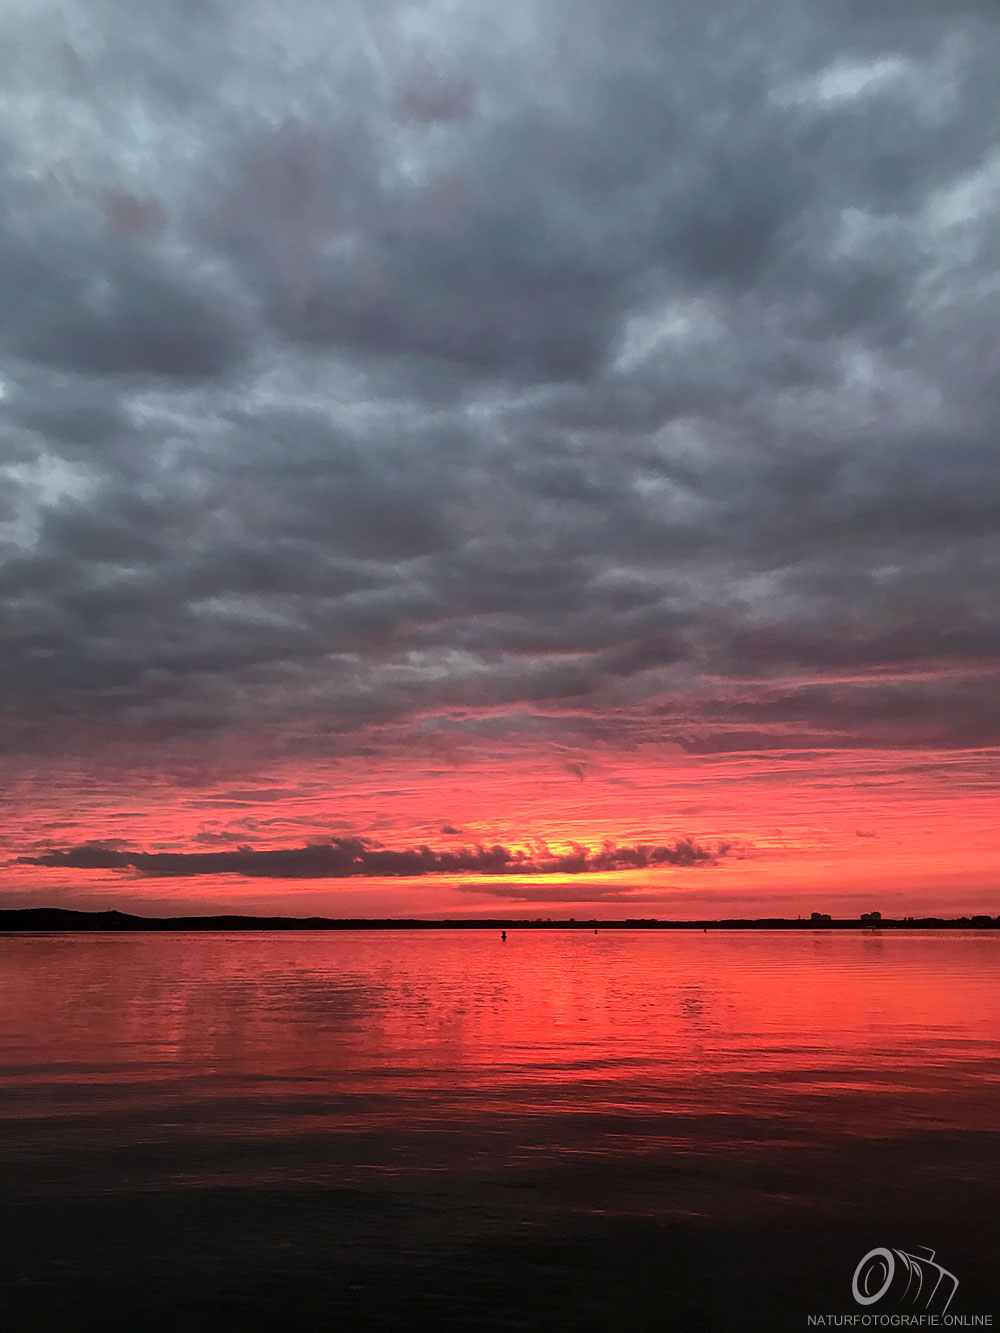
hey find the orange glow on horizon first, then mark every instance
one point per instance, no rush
(910, 832)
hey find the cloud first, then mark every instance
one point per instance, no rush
(432, 98)
(572, 892)
(346, 858)
(575, 376)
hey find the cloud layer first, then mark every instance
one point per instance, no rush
(375, 376)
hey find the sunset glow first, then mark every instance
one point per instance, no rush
(547, 461)
(783, 833)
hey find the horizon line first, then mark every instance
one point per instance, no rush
(113, 919)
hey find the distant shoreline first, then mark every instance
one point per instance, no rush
(64, 919)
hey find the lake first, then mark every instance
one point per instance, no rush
(633, 1129)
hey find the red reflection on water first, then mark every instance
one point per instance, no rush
(465, 1006)
(686, 1073)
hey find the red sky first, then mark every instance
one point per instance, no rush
(909, 833)
(567, 429)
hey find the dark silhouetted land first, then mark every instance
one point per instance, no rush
(59, 918)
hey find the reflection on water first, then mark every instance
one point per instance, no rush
(444, 1088)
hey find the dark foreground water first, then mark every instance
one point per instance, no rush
(631, 1130)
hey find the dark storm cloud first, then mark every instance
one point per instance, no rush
(91, 302)
(346, 858)
(613, 372)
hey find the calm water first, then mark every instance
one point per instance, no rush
(391, 1130)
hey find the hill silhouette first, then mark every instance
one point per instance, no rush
(62, 919)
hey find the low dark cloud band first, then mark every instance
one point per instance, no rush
(349, 858)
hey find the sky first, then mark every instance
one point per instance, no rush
(471, 459)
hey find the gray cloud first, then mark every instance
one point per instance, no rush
(601, 372)
(347, 858)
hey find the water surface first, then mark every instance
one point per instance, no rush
(634, 1128)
